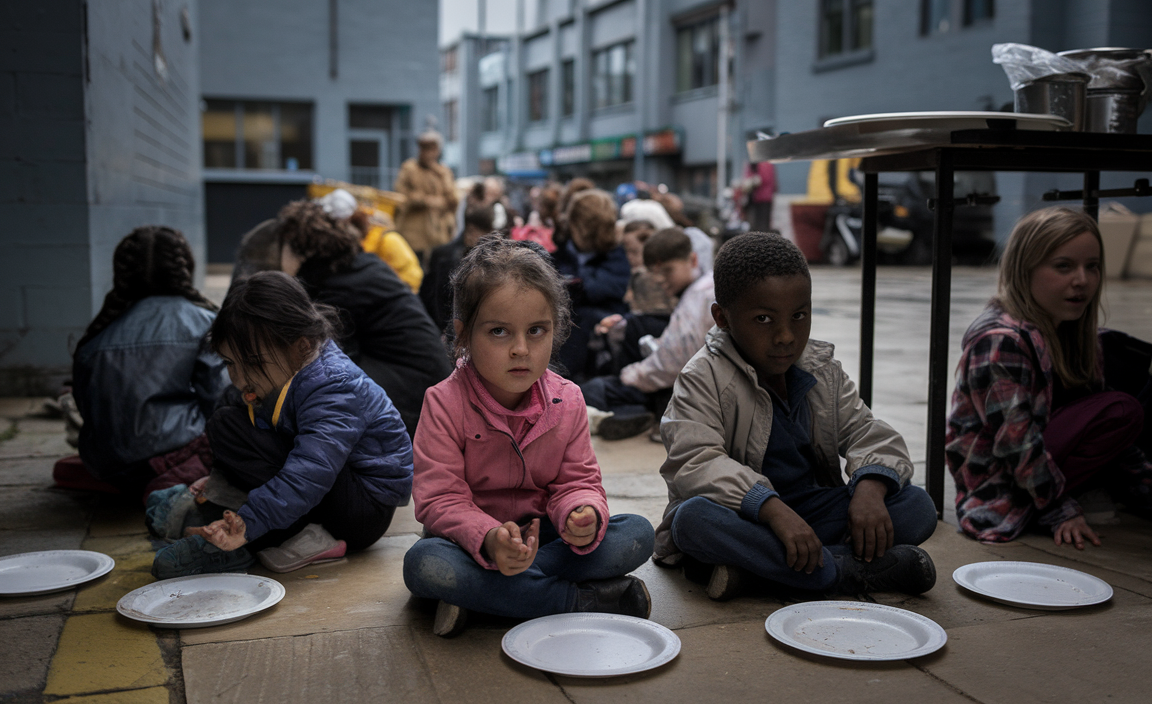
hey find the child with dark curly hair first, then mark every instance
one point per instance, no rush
(759, 420)
(143, 377)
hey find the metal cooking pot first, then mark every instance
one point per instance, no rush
(1061, 94)
(1119, 89)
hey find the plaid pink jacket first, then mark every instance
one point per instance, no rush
(995, 436)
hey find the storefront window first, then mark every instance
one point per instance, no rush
(257, 135)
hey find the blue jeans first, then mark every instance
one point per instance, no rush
(717, 535)
(435, 568)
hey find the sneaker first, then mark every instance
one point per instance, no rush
(619, 428)
(450, 620)
(726, 582)
(311, 545)
(904, 568)
(626, 595)
(595, 417)
(654, 434)
(166, 511)
(195, 555)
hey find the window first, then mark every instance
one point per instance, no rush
(490, 102)
(978, 11)
(698, 55)
(845, 26)
(452, 120)
(257, 135)
(538, 96)
(613, 70)
(935, 16)
(369, 143)
(448, 60)
(568, 88)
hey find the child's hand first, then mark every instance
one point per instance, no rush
(226, 534)
(805, 551)
(1073, 532)
(868, 520)
(608, 323)
(581, 527)
(197, 489)
(512, 552)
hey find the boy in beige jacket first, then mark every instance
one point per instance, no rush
(758, 422)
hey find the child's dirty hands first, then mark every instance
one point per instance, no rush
(868, 521)
(581, 527)
(197, 489)
(805, 551)
(511, 550)
(608, 323)
(226, 534)
(1073, 532)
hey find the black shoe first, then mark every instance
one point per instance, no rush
(618, 428)
(450, 620)
(195, 555)
(618, 595)
(726, 582)
(904, 568)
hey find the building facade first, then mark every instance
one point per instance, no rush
(569, 89)
(295, 90)
(99, 134)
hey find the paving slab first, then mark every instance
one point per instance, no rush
(738, 662)
(60, 602)
(36, 509)
(102, 652)
(26, 647)
(17, 541)
(114, 516)
(34, 471)
(404, 521)
(637, 455)
(472, 667)
(1089, 655)
(150, 695)
(131, 572)
(368, 664)
(1127, 548)
(678, 603)
(362, 591)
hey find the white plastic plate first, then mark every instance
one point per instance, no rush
(949, 120)
(591, 644)
(855, 630)
(1033, 585)
(202, 600)
(48, 571)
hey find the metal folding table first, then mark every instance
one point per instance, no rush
(1001, 147)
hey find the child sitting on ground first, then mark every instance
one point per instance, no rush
(319, 448)
(645, 297)
(758, 421)
(507, 485)
(645, 378)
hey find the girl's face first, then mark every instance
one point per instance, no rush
(245, 374)
(1064, 284)
(511, 341)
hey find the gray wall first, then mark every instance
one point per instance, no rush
(279, 50)
(92, 144)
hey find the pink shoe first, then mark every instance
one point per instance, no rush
(309, 546)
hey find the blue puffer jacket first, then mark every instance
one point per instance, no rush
(339, 418)
(146, 384)
(604, 275)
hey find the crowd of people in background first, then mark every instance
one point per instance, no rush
(473, 348)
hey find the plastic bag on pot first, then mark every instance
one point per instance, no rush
(1025, 64)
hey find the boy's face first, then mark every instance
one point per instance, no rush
(675, 275)
(770, 323)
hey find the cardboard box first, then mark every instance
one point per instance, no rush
(1118, 226)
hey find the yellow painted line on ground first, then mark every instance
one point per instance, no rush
(131, 572)
(103, 652)
(152, 695)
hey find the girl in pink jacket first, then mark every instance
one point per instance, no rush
(506, 482)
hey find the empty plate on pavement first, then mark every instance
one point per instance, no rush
(855, 630)
(591, 644)
(201, 600)
(1033, 585)
(32, 573)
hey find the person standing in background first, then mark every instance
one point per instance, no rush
(759, 184)
(427, 218)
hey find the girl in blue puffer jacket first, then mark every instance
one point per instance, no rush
(318, 447)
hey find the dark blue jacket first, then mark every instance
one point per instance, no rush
(604, 277)
(339, 418)
(146, 384)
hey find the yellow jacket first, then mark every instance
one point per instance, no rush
(394, 250)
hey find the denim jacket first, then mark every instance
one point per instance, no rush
(146, 384)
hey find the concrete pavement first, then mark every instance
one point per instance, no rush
(349, 631)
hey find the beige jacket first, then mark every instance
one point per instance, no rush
(425, 227)
(717, 425)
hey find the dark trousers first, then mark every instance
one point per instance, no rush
(1087, 437)
(249, 457)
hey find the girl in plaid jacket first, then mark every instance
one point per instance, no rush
(1032, 424)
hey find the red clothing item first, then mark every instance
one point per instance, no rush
(478, 464)
(767, 188)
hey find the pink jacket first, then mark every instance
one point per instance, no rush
(471, 475)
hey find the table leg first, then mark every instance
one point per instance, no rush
(938, 341)
(868, 286)
(1091, 200)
